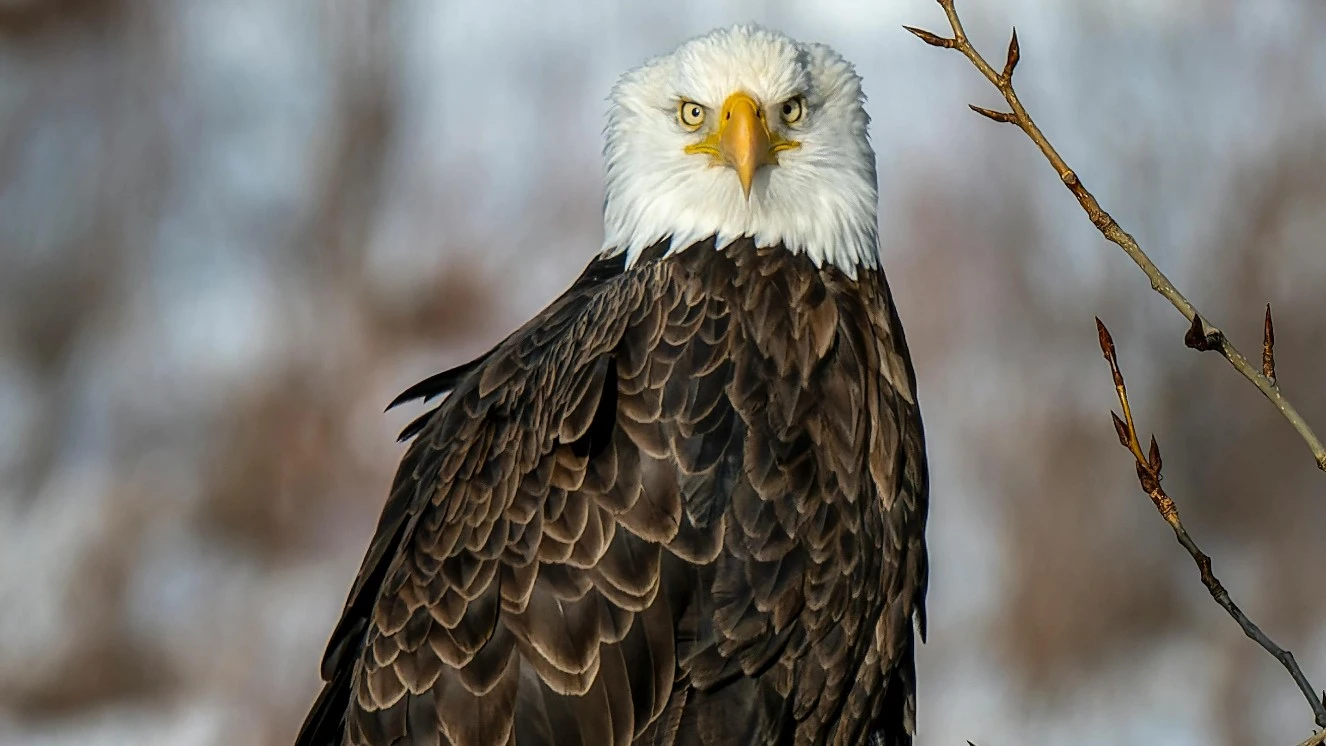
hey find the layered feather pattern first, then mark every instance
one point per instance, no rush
(683, 506)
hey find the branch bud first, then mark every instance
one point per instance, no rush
(1200, 337)
(931, 39)
(1120, 429)
(1014, 54)
(1106, 341)
(999, 116)
(1268, 347)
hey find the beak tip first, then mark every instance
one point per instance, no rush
(746, 177)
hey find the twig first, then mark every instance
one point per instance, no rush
(1203, 335)
(1148, 475)
(1316, 739)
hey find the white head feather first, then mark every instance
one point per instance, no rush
(820, 199)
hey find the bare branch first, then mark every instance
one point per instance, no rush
(1203, 335)
(1317, 739)
(1148, 475)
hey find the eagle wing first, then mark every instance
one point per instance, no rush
(621, 526)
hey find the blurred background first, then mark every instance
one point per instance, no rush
(232, 231)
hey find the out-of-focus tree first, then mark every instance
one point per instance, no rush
(230, 232)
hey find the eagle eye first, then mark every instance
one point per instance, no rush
(793, 109)
(690, 114)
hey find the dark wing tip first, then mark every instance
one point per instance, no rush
(325, 723)
(436, 384)
(416, 426)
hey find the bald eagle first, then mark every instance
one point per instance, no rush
(685, 504)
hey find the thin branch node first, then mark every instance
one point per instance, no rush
(1168, 509)
(1202, 337)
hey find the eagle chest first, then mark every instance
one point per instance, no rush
(749, 379)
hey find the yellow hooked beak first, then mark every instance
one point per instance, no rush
(743, 140)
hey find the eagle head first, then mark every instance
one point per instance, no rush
(742, 132)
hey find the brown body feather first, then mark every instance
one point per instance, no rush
(684, 506)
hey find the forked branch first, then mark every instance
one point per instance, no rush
(1202, 335)
(1148, 475)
